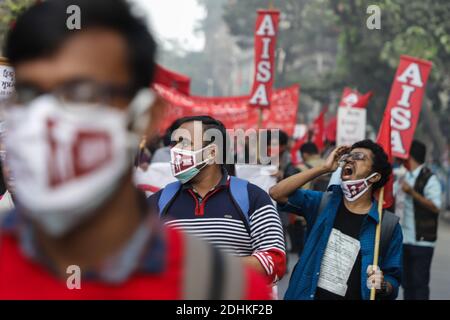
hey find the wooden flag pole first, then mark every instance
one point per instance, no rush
(376, 252)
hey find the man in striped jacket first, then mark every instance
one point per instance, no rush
(205, 204)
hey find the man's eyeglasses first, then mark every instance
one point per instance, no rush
(354, 156)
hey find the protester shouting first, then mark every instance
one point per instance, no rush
(232, 214)
(339, 250)
(418, 202)
(83, 102)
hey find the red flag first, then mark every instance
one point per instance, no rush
(319, 130)
(384, 139)
(171, 79)
(265, 39)
(296, 147)
(354, 99)
(330, 129)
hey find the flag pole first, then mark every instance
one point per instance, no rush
(377, 237)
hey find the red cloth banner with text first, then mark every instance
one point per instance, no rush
(234, 112)
(405, 102)
(172, 79)
(265, 42)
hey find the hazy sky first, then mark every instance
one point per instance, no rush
(174, 19)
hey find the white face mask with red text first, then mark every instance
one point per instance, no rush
(68, 158)
(354, 189)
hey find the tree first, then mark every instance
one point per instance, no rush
(9, 10)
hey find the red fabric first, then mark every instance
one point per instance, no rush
(173, 80)
(148, 188)
(353, 98)
(265, 42)
(405, 102)
(296, 147)
(319, 130)
(234, 112)
(330, 129)
(23, 279)
(384, 139)
(274, 263)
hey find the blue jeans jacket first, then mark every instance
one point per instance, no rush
(303, 282)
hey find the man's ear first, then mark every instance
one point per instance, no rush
(375, 178)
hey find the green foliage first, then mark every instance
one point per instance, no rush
(9, 11)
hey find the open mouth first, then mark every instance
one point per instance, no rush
(347, 170)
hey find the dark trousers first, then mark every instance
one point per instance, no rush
(416, 272)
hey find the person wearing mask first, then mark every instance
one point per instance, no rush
(232, 214)
(418, 202)
(72, 129)
(336, 262)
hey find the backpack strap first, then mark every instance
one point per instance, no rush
(167, 194)
(388, 224)
(239, 192)
(209, 274)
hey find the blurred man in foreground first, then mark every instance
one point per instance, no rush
(82, 103)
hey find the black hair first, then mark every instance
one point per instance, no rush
(418, 151)
(283, 137)
(210, 123)
(41, 30)
(380, 161)
(166, 138)
(309, 147)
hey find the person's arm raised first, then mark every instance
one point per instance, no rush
(281, 191)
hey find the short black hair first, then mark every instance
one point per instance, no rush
(209, 122)
(380, 161)
(41, 30)
(283, 137)
(309, 147)
(418, 151)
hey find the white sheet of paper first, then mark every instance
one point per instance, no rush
(337, 263)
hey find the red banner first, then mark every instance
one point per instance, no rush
(405, 102)
(172, 79)
(234, 112)
(265, 42)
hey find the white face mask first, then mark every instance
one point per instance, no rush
(68, 159)
(186, 164)
(354, 189)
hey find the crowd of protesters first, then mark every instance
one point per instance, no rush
(209, 234)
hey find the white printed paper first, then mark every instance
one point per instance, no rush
(351, 125)
(337, 263)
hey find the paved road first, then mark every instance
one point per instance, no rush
(440, 269)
